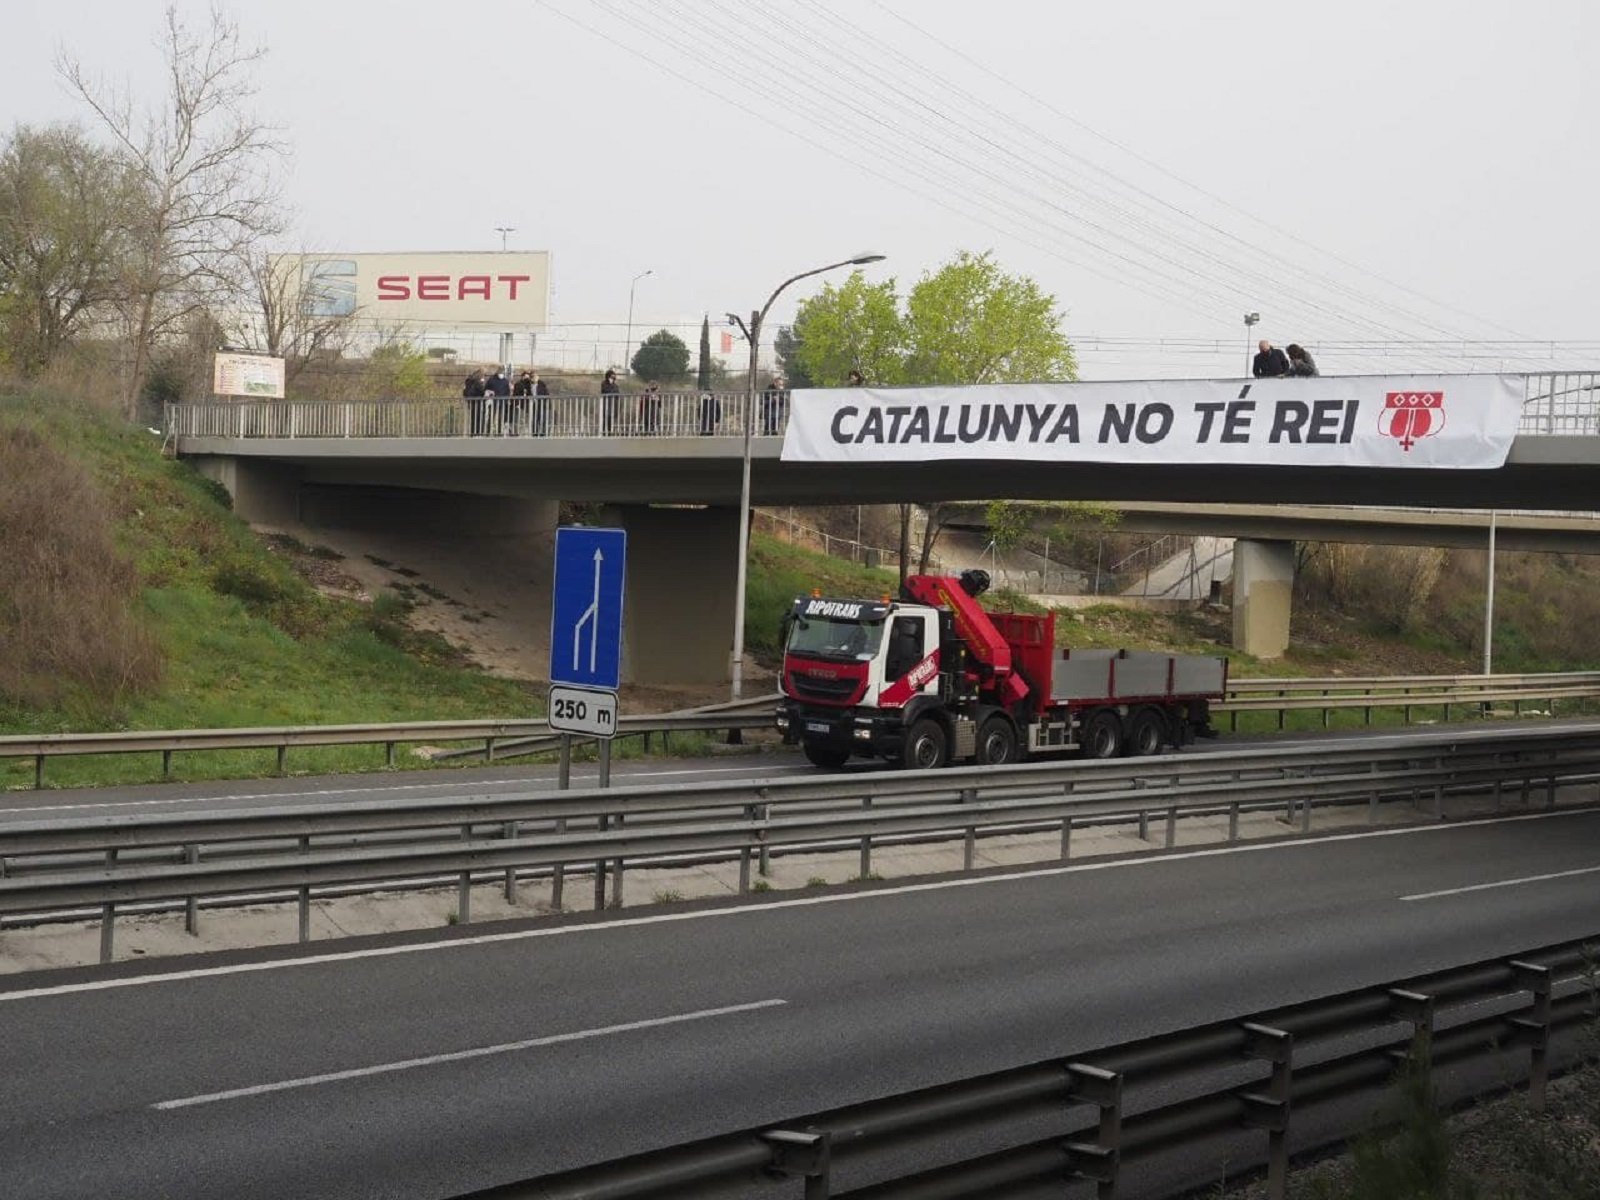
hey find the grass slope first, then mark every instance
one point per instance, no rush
(244, 640)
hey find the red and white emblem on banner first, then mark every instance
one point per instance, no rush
(1408, 416)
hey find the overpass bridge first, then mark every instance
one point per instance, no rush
(497, 473)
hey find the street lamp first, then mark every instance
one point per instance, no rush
(503, 231)
(752, 334)
(627, 347)
(1249, 320)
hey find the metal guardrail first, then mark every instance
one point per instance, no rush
(1555, 403)
(533, 734)
(1106, 1110)
(229, 852)
(512, 738)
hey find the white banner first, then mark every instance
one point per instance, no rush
(1432, 421)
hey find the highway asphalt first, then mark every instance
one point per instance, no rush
(422, 1066)
(91, 803)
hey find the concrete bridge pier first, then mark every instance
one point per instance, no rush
(1263, 586)
(682, 569)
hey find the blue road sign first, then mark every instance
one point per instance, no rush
(586, 611)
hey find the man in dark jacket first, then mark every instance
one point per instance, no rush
(1271, 362)
(497, 390)
(477, 411)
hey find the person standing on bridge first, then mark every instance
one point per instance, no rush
(608, 402)
(522, 402)
(1301, 362)
(497, 396)
(473, 392)
(1270, 363)
(772, 407)
(541, 408)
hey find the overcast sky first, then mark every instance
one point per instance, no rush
(1368, 171)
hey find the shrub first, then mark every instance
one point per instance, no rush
(70, 615)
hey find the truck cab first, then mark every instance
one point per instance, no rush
(856, 673)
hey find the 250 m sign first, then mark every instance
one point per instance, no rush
(589, 711)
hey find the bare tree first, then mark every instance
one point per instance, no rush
(203, 163)
(286, 318)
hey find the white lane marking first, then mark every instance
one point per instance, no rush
(375, 791)
(488, 939)
(1502, 883)
(408, 1064)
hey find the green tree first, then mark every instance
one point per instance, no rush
(703, 375)
(853, 327)
(64, 204)
(971, 322)
(787, 346)
(397, 370)
(661, 357)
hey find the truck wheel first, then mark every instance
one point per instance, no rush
(1102, 734)
(1149, 733)
(926, 745)
(997, 742)
(829, 758)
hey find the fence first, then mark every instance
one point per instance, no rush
(60, 864)
(506, 738)
(528, 736)
(1555, 403)
(1266, 1076)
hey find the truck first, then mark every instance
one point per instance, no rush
(931, 678)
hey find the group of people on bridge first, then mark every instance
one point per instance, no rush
(1272, 363)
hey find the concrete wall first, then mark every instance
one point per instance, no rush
(264, 492)
(1263, 587)
(678, 616)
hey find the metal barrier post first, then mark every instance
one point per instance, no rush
(1066, 839)
(108, 917)
(744, 854)
(969, 843)
(1101, 1159)
(1417, 1009)
(1172, 826)
(1233, 821)
(191, 905)
(1534, 1029)
(304, 899)
(38, 772)
(464, 885)
(1271, 1111)
(804, 1154)
(509, 829)
(866, 844)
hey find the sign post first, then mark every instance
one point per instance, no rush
(586, 653)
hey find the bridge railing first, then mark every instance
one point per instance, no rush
(1555, 403)
(1562, 403)
(666, 414)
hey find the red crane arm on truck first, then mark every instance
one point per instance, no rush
(975, 628)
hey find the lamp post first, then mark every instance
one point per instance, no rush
(752, 333)
(627, 347)
(504, 231)
(1488, 602)
(1249, 320)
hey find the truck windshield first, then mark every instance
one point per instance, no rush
(821, 637)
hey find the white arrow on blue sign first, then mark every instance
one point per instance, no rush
(586, 613)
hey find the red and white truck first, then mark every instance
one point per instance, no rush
(932, 678)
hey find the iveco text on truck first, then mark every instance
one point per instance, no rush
(932, 678)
